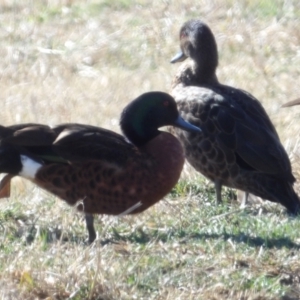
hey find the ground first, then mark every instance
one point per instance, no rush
(82, 61)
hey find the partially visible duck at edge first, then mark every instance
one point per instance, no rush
(292, 103)
(97, 170)
(239, 146)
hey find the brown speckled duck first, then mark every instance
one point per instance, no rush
(96, 169)
(239, 146)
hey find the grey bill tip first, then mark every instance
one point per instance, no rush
(181, 123)
(178, 57)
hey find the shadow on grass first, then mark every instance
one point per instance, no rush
(141, 237)
(276, 243)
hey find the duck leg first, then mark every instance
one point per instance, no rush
(89, 220)
(218, 188)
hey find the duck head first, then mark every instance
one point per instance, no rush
(198, 43)
(141, 118)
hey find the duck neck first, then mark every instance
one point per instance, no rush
(204, 72)
(140, 136)
(192, 74)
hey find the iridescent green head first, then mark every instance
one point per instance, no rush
(142, 117)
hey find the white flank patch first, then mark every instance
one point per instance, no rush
(30, 167)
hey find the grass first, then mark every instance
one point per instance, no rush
(67, 61)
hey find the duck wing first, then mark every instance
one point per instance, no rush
(235, 122)
(27, 135)
(257, 142)
(67, 143)
(76, 143)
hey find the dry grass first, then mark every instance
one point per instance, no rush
(67, 61)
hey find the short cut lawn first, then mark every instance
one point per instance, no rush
(82, 61)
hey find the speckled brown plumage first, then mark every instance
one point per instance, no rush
(98, 170)
(107, 187)
(239, 146)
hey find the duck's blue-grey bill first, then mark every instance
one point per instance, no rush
(178, 57)
(181, 123)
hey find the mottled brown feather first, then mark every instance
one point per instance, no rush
(105, 187)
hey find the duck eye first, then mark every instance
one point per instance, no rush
(182, 34)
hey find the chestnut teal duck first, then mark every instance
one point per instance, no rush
(95, 169)
(239, 146)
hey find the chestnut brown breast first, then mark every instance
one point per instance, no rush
(106, 188)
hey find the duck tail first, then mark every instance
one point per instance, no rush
(278, 190)
(10, 160)
(287, 196)
(10, 163)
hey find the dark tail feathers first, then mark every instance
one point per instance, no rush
(288, 197)
(10, 160)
